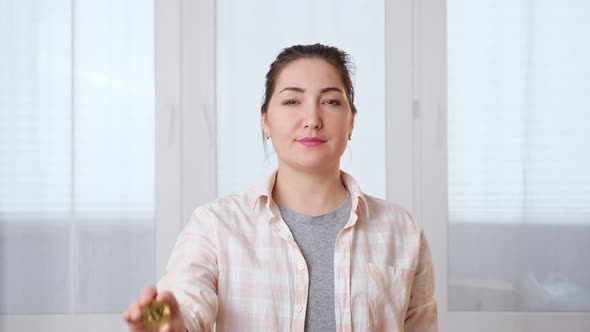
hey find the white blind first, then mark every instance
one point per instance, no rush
(76, 154)
(519, 155)
(35, 88)
(519, 111)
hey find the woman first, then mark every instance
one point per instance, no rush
(307, 249)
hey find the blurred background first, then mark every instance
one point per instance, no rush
(118, 118)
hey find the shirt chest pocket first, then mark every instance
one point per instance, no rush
(388, 296)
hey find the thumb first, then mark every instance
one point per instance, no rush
(168, 298)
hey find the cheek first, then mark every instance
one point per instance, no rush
(282, 126)
(340, 126)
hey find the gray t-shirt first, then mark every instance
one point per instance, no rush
(316, 238)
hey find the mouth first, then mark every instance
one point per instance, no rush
(311, 141)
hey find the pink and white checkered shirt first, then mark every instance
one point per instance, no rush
(236, 266)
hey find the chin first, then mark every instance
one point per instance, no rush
(316, 165)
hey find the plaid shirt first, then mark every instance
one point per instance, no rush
(236, 266)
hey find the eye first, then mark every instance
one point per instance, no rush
(290, 102)
(334, 102)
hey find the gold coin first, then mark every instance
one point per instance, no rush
(155, 315)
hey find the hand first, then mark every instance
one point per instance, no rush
(148, 294)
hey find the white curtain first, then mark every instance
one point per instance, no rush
(249, 37)
(519, 155)
(76, 154)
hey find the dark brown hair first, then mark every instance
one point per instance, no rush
(332, 55)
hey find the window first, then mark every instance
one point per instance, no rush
(519, 189)
(77, 155)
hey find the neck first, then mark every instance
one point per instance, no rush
(309, 193)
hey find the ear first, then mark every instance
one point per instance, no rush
(351, 124)
(264, 124)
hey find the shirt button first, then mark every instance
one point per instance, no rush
(300, 267)
(298, 308)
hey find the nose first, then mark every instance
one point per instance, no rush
(313, 119)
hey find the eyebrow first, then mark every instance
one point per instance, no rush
(324, 90)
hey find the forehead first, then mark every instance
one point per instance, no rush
(309, 73)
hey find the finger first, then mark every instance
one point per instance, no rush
(125, 315)
(135, 311)
(147, 295)
(134, 323)
(136, 326)
(168, 298)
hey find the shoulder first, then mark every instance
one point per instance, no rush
(224, 207)
(373, 209)
(245, 203)
(394, 232)
(386, 215)
(377, 207)
(236, 211)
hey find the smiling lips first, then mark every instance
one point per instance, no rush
(311, 141)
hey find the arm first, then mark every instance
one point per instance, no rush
(422, 312)
(192, 273)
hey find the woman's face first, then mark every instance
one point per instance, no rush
(309, 117)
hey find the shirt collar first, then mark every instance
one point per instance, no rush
(261, 195)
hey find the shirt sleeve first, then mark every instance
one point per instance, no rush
(192, 273)
(422, 313)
